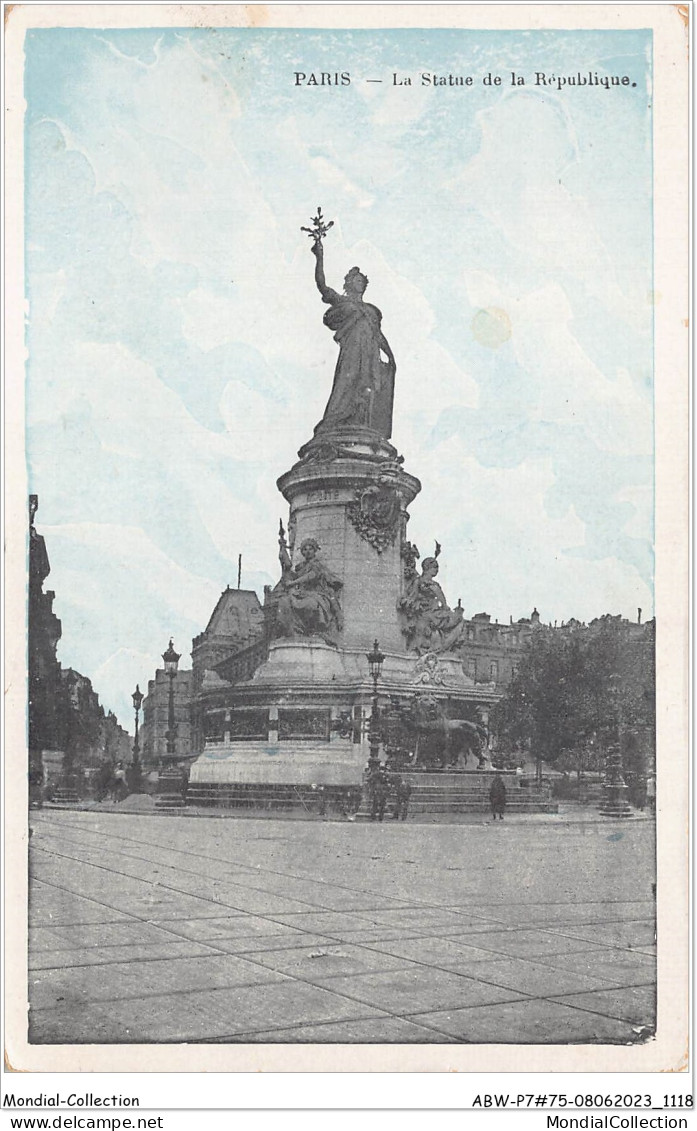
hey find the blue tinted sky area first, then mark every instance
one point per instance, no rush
(177, 357)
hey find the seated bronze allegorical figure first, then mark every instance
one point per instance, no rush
(306, 600)
(431, 625)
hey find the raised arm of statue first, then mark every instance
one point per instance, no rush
(328, 295)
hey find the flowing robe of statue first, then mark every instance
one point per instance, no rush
(363, 389)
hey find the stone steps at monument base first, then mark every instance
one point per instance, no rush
(467, 792)
(169, 801)
(261, 794)
(543, 805)
(473, 798)
(474, 792)
(517, 805)
(64, 795)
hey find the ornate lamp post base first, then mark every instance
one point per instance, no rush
(615, 792)
(615, 803)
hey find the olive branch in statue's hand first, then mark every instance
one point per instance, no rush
(318, 231)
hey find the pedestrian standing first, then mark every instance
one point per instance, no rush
(379, 791)
(402, 795)
(120, 790)
(497, 797)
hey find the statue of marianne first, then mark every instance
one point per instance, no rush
(363, 389)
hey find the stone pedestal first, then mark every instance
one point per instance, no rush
(355, 505)
(302, 717)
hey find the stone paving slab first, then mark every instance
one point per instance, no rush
(538, 979)
(445, 953)
(631, 1003)
(640, 934)
(421, 917)
(544, 914)
(617, 966)
(387, 1030)
(120, 981)
(258, 902)
(473, 923)
(409, 990)
(379, 934)
(204, 1015)
(316, 963)
(174, 886)
(529, 1022)
(164, 855)
(252, 945)
(69, 937)
(133, 897)
(346, 900)
(527, 943)
(315, 894)
(236, 926)
(101, 956)
(329, 921)
(50, 906)
(534, 978)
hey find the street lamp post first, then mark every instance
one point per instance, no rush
(136, 769)
(171, 661)
(375, 662)
(614, 803)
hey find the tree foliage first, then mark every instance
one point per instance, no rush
(581, 690)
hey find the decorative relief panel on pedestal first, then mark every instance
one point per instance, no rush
(249, 722)
(215, 726)
(375, 513)
(428, 671)
(304, 723)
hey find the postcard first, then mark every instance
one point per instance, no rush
(347, 539)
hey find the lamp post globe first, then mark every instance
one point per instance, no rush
(375, 661)
(171, 659)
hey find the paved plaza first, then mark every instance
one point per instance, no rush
(173, 929)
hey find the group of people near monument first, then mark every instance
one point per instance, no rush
(383, 788)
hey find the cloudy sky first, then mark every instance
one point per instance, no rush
(177, 357)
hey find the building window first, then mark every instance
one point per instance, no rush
(494, 670)
(472, 669)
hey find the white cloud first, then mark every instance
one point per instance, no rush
(150, 571)
(517, 180)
